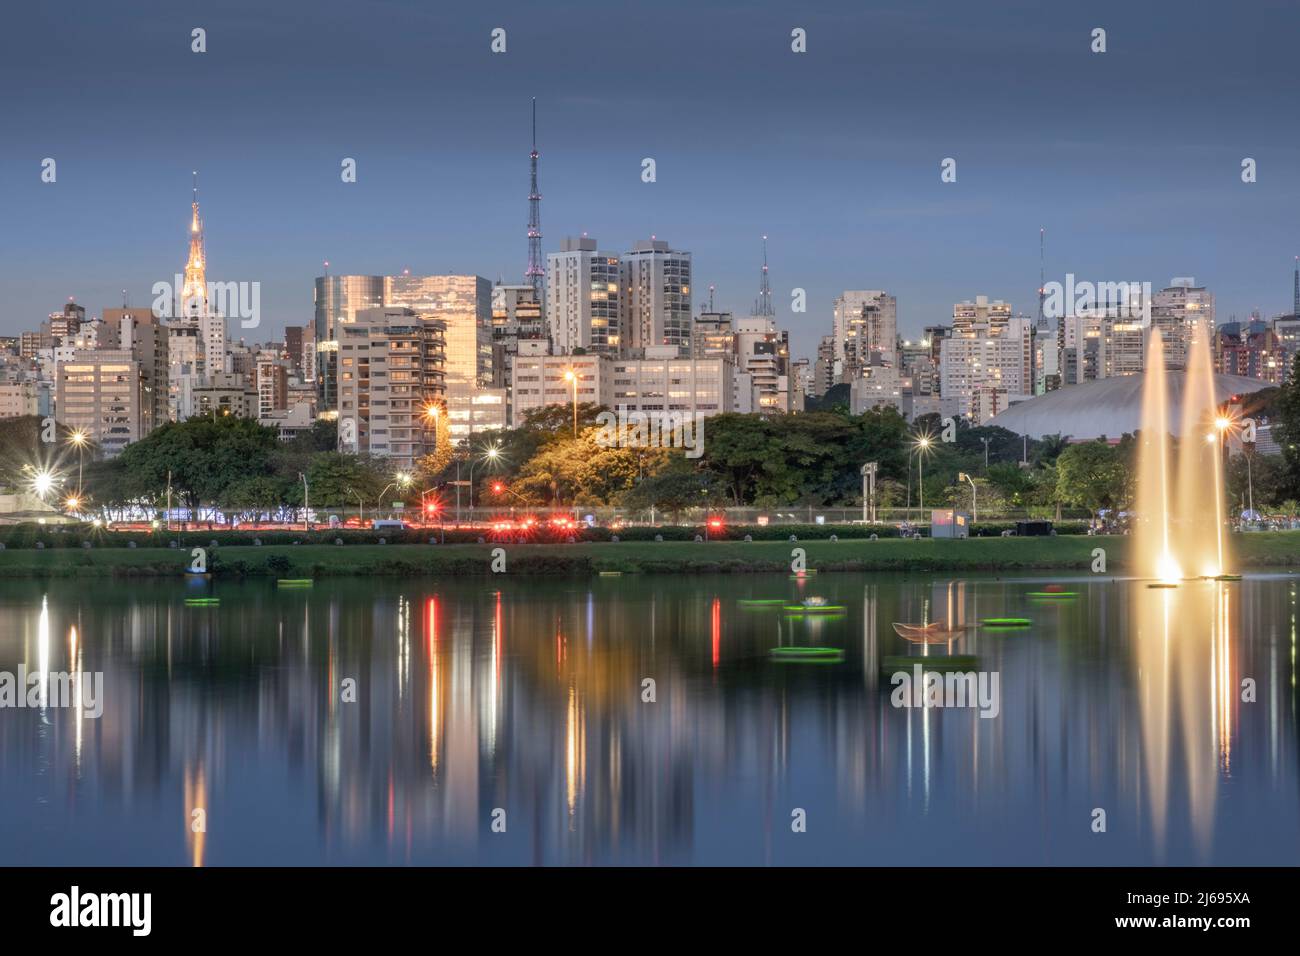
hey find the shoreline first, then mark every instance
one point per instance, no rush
(1253, 551)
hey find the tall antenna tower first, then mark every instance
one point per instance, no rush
(1042, 277)
(764, 304)
(535, 275)
(1295, 302)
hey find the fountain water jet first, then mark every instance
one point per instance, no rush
(1154, 553)
(1180, 513)
(1199, 512)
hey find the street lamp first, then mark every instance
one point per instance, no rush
(306, 505)
(922, 445)
(361, 506)
(491, 454)
(974, 506)
(571, 376)
(79, 438)
(401, 480)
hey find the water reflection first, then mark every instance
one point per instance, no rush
(474, 696)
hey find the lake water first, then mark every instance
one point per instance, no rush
(521, 701)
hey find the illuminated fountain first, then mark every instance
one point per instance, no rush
(1179, 529)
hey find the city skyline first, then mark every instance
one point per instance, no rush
(1137, 196)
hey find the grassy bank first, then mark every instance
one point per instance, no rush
(1273, 549)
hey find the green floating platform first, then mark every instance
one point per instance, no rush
(902, 662)
(611, 574)
(807, 655)
(295, 582)
(815, 608)
(1006, 622)
(764, 602)
(1053, 594)
(1162, 584)
(1227, 577)
(202, 602)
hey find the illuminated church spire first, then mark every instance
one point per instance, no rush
(194, 296)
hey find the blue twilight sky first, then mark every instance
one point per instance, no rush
(1130, 159)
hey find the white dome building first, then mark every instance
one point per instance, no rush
(1107, 407)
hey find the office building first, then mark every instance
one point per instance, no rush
(656, 285)
(584, 302)
(391, 372)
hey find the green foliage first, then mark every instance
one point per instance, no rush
(1091, 475)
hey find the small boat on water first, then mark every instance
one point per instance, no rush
(934, 633)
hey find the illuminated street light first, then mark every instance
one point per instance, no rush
(922, 445)
(571, 376)
(490, 454)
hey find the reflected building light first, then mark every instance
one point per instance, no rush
(573, 755)
(403, 646)
(196, 798)
(1227, 691)
(78, 715)
(43, 652)
(435, 730)
(715, 620)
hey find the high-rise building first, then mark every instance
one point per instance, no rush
(1177, 311)
(1251, 349)
(147, 338)
(656, 309)
(117, 395)
(865, 331)
(272, 385)
(762, 366)
(64, 325)
(541, 380)
(714, 335)
(990, 316)
(665, 381)
(583, 299)
(824, 368)
(462, 303)
(983, 370)
(516, 315)
(391, 372)
(338, 299)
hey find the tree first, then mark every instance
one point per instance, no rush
(1286, 427)
(203, 457)
(1091, 475)
(335, 479)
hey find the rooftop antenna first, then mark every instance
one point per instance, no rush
(535, 274)
(1042, 277)
(711, 288)
(764, 305)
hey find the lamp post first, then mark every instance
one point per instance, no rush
(869, 491)
(306, 504)
(922, 444)
(401, 480)
(361, 506)
(572, 377)
(79, 438)
(492, 454)
(974, 505)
